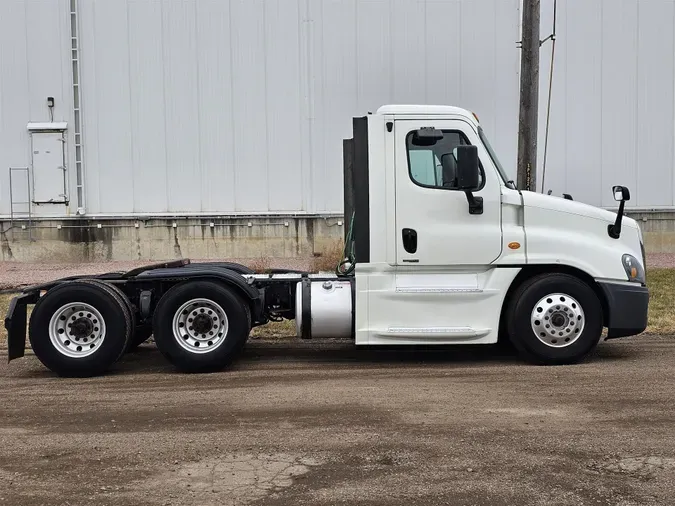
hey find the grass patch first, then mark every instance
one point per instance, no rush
(661, 283)
(279, 330)
(261, 265)
(328, 259)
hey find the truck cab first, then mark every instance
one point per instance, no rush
(448, 251)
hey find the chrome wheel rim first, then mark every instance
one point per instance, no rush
(558, 320)
(77, 330)
(200, 326)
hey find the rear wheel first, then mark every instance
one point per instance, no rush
(80, 328)
(201, 326)
(555, 319)
(141, 334)
(138, 333)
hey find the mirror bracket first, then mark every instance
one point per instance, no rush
(614, 229)
(475, 203)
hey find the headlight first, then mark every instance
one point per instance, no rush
(633, 268)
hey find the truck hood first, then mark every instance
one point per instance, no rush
(562, 205)
(564, 232)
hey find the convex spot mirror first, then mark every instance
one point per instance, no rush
(621, 193)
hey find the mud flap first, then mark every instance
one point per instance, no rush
(15, 323)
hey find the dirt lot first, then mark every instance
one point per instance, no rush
(297, 423)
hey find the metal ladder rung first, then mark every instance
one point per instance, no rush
(12, 203)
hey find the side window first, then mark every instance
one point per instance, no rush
(434, 166)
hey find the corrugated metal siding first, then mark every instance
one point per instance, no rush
(241, 106)
(14, 101)
(34, 64)
(367, 53)
(612, 111)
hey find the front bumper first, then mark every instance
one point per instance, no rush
(627, 306)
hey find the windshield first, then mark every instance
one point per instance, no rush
(495, 160)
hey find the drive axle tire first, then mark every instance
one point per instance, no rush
(201, 326)
(80, 328)
(141, 334)
(555, 319)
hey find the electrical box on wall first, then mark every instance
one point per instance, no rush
(48, 163)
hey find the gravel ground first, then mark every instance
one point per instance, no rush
(661, 260)
(16, 274)
(323, 423)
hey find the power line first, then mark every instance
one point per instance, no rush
(552, 37)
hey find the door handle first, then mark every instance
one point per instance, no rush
(409, 240)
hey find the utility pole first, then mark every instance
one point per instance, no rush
(529, 96)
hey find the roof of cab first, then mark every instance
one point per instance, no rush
(444, 110)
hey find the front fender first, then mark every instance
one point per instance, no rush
(555, 237)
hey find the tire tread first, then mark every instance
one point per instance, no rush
(114, 295)
(219, 358)
(512, 319)
(124, 303)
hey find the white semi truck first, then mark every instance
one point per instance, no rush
(442, 249)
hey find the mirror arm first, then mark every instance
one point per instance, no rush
(614, 230)
(475, 203)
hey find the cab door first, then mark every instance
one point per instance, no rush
(435, 226)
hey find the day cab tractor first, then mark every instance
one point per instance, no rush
(442, 249)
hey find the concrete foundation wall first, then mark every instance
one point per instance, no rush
(80, 240)
(158, 239)
(658, 230)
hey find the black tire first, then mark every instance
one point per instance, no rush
(112, 308)
(142, 334)
(520, 327)
(133, 331)
(138, 333)
(234, 338)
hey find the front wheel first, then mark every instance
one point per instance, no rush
(201, 326)
(554, 319)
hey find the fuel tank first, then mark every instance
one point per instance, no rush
(324, 309)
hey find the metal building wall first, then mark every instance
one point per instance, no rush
(35, 63)
(241, 106)
(612, 111)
